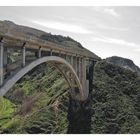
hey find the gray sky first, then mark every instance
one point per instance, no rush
(106, 31)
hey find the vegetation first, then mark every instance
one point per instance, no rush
(115, 100)
(67, 41)
(39, 103)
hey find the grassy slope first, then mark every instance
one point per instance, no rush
(34, 104)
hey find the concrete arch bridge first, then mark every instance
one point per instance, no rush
(18, 56)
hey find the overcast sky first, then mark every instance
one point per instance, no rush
(106, 31)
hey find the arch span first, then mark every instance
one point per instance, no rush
(54, 59)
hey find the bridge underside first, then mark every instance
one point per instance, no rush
(16, 61)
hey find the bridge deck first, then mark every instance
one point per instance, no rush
(32, 43)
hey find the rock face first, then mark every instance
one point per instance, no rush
(123, 62)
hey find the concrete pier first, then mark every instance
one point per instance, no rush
(1, 63)
(39, 52)
(23, 55)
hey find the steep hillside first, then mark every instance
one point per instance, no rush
(123, 62)
(115, 100)
(40, 103)
(9, 27)
(27, 33)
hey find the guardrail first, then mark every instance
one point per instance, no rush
(46, 45)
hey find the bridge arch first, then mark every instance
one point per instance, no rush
(54, 60)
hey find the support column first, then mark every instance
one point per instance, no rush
(59, 53)
(67, 58)
(23, 55)
(39, 52)
(5, 58)
(51, 52)
(91, 77)
(1, 63)
(71, 60)
(76, 67)
(80, 70)
(84, 81)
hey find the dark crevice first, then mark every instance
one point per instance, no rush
(79, 112)
(79, 117)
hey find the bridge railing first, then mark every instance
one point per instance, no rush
(45, 45)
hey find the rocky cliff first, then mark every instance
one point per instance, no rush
(123, 62)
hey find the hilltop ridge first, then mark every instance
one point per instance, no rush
(12, 29)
